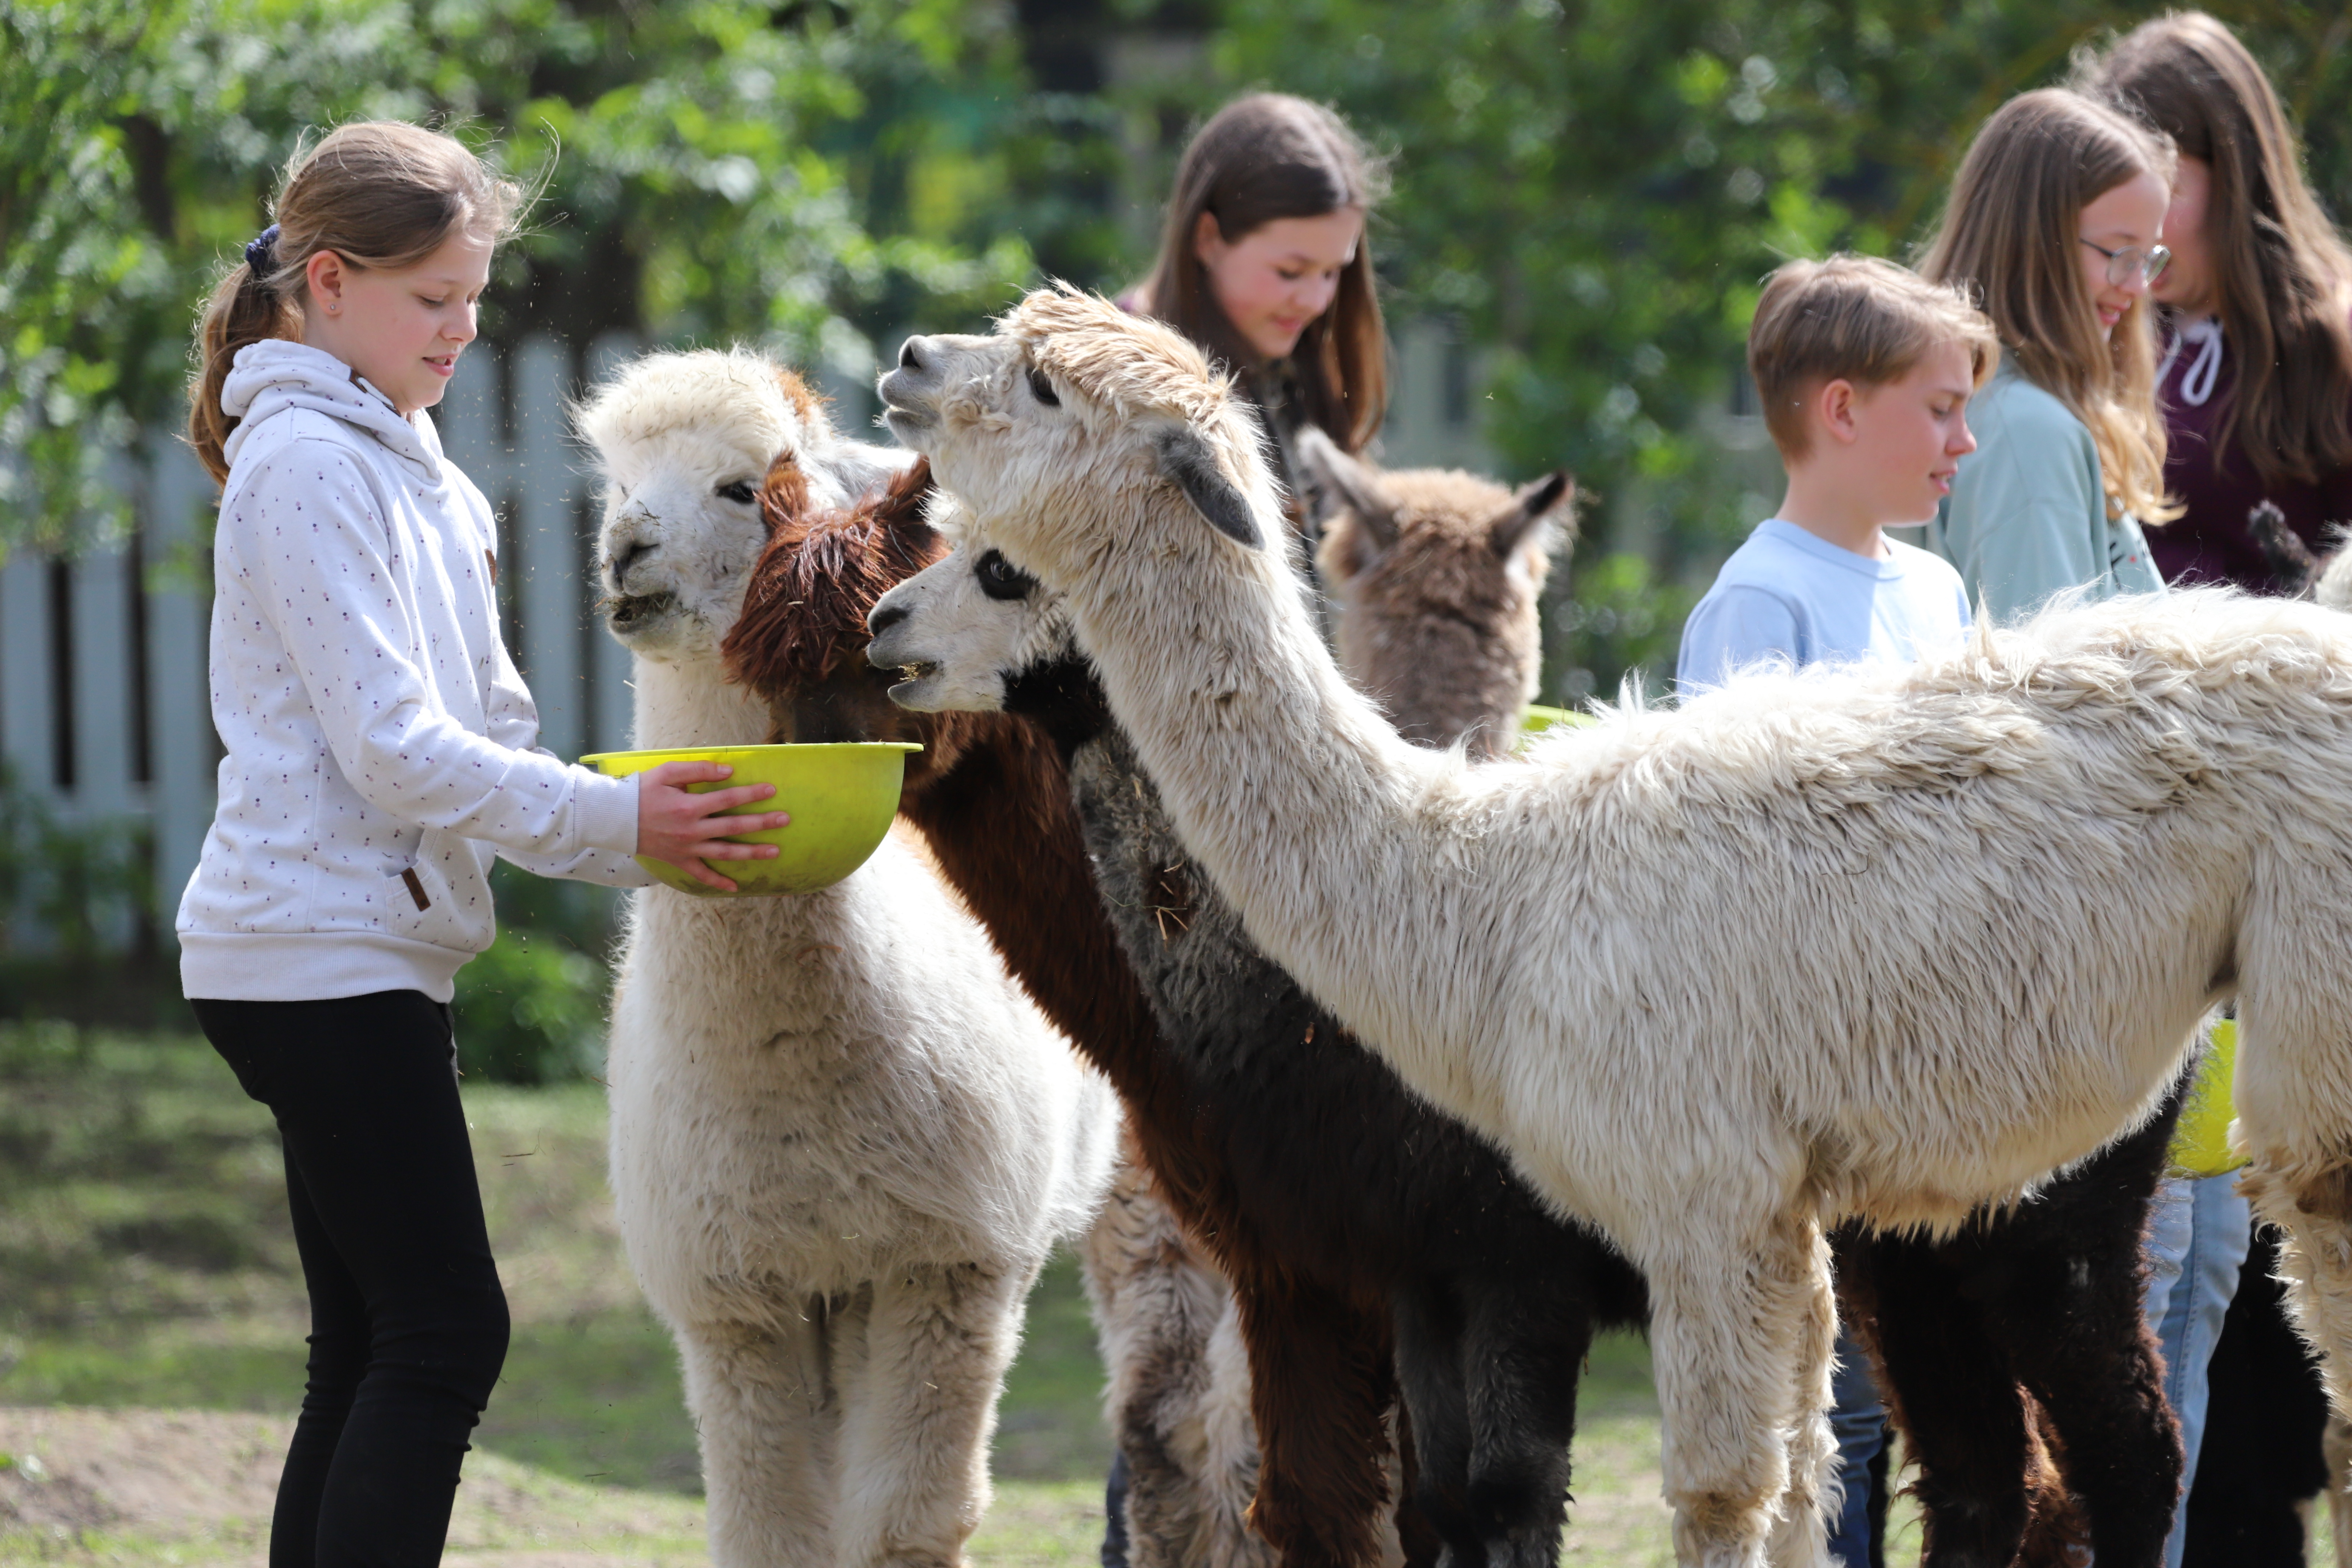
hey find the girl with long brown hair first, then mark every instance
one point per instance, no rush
(2053, 223)
(1264, 262)
(380, 749)
(2256, 381)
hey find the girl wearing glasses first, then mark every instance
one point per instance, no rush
(2056, 222)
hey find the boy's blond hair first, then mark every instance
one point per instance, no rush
(1852, 318)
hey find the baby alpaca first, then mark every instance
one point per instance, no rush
(843, 1142)
(2041, 863)
(1437, 574)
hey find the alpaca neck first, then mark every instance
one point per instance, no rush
(693, 704)
(1304, 808)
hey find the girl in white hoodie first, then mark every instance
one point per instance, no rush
(381, 748)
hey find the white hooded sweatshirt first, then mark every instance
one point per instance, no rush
(380, 746)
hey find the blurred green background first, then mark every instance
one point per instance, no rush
(1586, 193)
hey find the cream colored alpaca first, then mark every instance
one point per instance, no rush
(843, 1142)
(1879, 942)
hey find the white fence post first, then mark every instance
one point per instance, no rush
(27, 680)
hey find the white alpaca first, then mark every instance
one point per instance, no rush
(1880, 942)
(843, 1142)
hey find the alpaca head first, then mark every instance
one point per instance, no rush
(1075, 418)
(959, 636)
(800, 643)
(686, 443)
(1439, 573)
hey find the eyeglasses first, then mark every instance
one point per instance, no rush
(2147, 261)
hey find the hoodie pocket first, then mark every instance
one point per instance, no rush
(441, 896)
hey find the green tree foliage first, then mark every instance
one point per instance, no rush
(1597, 187)
(707, 169)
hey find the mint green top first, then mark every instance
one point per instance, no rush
(2027, 517)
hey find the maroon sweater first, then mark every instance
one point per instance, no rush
(2209, 542)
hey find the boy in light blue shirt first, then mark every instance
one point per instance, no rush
(1864, 371)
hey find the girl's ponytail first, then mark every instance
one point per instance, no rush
(380, 194)
(246, 306)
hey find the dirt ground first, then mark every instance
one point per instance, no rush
(194, 1487)
(191, 1489)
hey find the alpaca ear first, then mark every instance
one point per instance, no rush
(1187, 461)
(1537, 502)
(1348, 482)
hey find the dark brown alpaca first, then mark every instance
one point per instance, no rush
(991, 795)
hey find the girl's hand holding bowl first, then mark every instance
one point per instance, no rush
(686, 829)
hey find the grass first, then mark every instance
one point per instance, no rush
(145, 1261)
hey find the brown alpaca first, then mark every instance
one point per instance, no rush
(991, 796)
(1437, 573)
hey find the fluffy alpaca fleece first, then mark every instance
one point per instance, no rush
(1436, 573)
(843, 1142)
(1365, 1191)
(1881, 943)
(991, 798)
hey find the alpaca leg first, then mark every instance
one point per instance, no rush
(2077, 1332)
(1178, 1371)
(1321, 1385)
(764, 1413)
(1953, 1394)
(1430, 1374)
(1227, 1469)
(1523, 1353)
(1730, 1328)
(918, 1411)
(1798, 1532)
(2293, 1091)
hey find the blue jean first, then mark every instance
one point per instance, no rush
(1859, 1421)
(2198, 1233)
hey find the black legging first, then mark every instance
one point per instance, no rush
(408, 1326)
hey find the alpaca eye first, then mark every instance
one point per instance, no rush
(1042, 390)
(1000, 579)
(742, 492)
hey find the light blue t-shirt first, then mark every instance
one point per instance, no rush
(1789, 593)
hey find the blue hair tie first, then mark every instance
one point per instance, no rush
(256, 251)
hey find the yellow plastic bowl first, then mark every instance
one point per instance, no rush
(842, 798)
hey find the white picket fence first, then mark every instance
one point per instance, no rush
(104, 703)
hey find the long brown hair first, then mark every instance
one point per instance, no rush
(2283, 275)
(1260, 158)
(2010, 234)
(382, 195)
